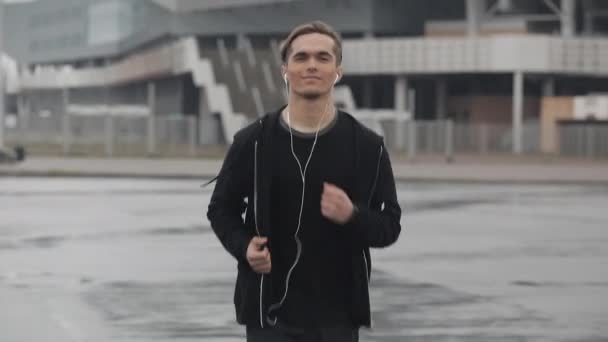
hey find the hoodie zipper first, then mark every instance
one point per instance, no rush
(369, 202)
(255, 214)
(371, 194)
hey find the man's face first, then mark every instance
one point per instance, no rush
(311, 65)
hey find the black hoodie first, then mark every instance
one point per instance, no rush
(243, 185)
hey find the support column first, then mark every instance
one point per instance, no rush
(412, 131)
(368, 93)
(2, 107)
(2, 75)
(67, 126)
(401, 97)
(24, 120)
(441, 90)
(474, 10)
(588, 24)
(401, 93)
(549, 86)
(109, 130)
(109, 125)
(567, 18)
(151, 118)
(518, 96)
(449, 140)
(241, 41)
(586, 9)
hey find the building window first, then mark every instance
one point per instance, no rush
(109, 22)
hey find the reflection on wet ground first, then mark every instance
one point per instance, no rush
(475, 262)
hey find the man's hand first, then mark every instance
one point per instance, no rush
(258, 255)
(335, 204)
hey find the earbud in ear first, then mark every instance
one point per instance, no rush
(285, 78)
(337, 78)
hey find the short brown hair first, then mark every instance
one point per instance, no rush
(312, 27)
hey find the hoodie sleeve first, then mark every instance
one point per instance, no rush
(227, 202)
(378, 224)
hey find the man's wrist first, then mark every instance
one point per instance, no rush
(353, 213)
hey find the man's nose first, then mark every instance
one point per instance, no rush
(311, 65)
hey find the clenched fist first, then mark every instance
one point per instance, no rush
(335, 204)
(258, 255)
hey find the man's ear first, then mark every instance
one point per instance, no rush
(339, 71)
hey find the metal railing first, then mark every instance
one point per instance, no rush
(113, 135)
(449, 138)
(589, 140)
(110, 135)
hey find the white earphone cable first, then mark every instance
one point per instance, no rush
(303, 177)
(276, 306)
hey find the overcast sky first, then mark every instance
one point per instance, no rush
(17, 0)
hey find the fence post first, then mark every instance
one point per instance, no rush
(411, 139)
(192, 135)
(590, 148)
(580, 134)
(603, 133)
(67, 133)
(440, 136)
(109, 128)
(429, 131)
(151, 132)
(65, 123)
(22, 109)
(399, 128)
(449, 140)
(483, 139)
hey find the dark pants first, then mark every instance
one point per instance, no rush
(333, 334)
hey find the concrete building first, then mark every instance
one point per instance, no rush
(483, 61)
